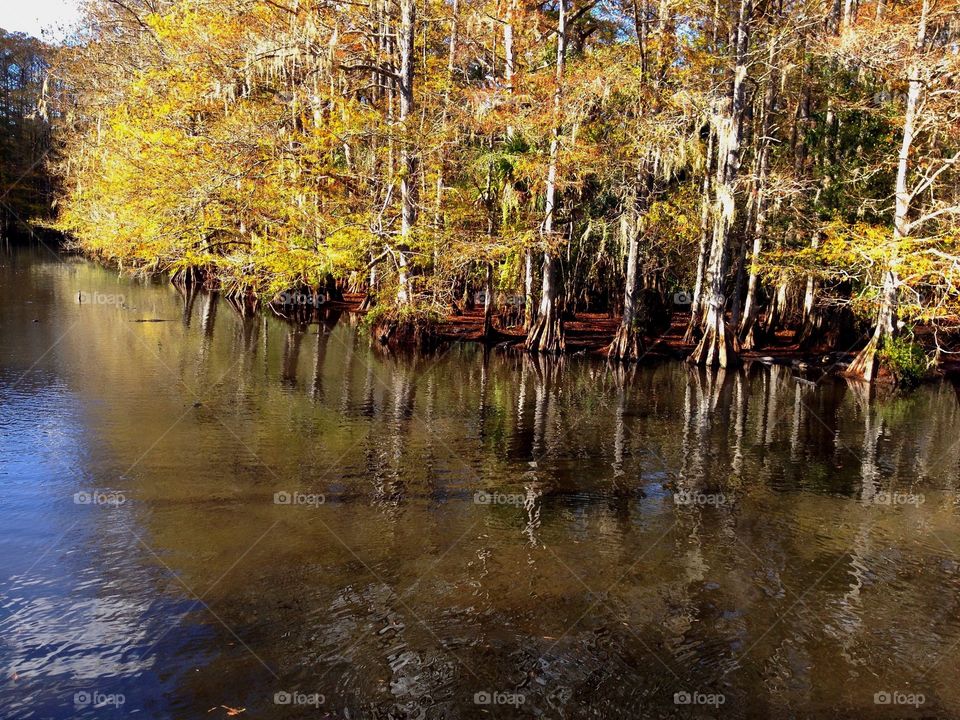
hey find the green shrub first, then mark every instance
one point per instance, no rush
(404, 327)
(905, 359)
(420, 316)
(375, 315)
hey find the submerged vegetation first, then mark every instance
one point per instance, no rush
(788, 169)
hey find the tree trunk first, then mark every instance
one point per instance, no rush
(812, 317)
(849, 14)
(777, 309)
(703, 256)
(370, 299)
(719, 346)
(445, 116)
(739, 283)
(866, 364)
(628, 343)
(408, 159)
(488, 304)
(509, 62)
(546, 332)
(529, 309)
(748, 324)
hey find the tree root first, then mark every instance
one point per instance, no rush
(718, 347)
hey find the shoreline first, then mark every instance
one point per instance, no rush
(588, 334)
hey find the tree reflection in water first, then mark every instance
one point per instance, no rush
(666, 529)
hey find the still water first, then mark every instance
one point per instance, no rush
(206, 514)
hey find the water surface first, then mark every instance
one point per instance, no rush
(468, 534)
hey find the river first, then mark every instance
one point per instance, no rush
(202, 514)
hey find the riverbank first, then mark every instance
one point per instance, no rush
(586, 334)
(591, 333)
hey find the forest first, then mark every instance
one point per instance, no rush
(448, 359)
(26, 188)
(763, 171)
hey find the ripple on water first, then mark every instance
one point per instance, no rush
(589, 590)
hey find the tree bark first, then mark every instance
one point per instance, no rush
(445, 116)
(370, 299)
(703, 255)
(546, 332)
(509, 68)
(628, 343)
(812, 318)
(719, 345)
(408, 159)
(748, 324)
(488, 304)
(509, 64)
(777, 309)
(866, 364)
(529, 309)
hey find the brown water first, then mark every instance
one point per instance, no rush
(488, 524)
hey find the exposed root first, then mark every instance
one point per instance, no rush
(718, 347)
(628, 344)
(753, 337)
(546, 336)
(866, 365)
(406, 333)
(694, 328)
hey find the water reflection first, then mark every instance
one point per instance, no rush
(599, 540)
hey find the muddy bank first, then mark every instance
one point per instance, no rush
(586, 333)
(590, 334)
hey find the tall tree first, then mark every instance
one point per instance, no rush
(546, 333)
(719, 346)
(408, 158)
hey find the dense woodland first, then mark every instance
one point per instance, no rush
(26, 190)
(783, 166)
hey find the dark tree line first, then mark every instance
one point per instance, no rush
(26, 188)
